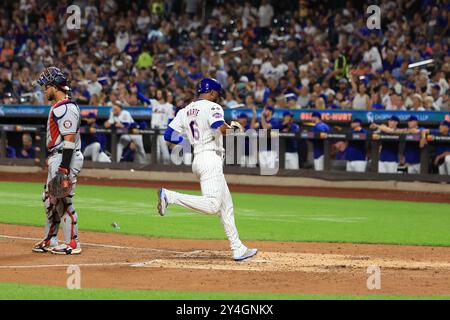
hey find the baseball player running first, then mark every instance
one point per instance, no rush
(203, 123)
(64, 164)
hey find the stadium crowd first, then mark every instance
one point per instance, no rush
(284, 54)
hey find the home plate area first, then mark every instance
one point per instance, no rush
(287, 262)
(142, 263)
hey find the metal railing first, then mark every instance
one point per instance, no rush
(373, 141)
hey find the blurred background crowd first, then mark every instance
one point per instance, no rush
(282, 54)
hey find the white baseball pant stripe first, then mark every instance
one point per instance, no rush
(413, 168)
(444, 169)
(387, 167)
(319, 164)
(291, 161)
(215, 198)
(356, 166)
(94, 151)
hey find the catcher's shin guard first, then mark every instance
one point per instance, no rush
(70, 231)
(69, 222)
(52, 218)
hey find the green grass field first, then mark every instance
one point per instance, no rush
(259, 217)
(30, 292)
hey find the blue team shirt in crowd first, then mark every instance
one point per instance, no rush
(318, 144)
(276, 124)
(412, 151)
(439, 147)
(356, 149)
(292, 143)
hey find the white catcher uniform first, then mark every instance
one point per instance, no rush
(64, 118)
(199, 121)
(161, 113)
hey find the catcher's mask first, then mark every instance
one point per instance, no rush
(52, 76)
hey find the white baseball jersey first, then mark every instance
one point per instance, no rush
(199, 121)
(161, 113)
(124, 117)
(63, 119)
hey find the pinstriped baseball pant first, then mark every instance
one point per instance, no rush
(215, 198)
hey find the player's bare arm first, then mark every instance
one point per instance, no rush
(254, 123)
(264, 122)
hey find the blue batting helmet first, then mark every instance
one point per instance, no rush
(209, 84)
(52, 76)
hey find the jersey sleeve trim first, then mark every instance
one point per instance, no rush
(172, 136)
(217, 124)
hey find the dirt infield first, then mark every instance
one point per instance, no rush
(130, 262)
(305, 191)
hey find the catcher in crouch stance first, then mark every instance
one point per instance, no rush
(64, 164)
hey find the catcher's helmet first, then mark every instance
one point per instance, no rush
(54, 77)
(209, 84)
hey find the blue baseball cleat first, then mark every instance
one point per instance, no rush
(162, 202)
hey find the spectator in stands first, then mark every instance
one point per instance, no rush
(318, 144)
(304, 97)
(115, 52)
(361, 100)
(437, 97)
(417, 103)
(356, 152)
(28, 150)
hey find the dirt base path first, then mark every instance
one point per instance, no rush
(304, 191)
(131, 262)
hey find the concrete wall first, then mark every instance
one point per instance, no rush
(249, 180)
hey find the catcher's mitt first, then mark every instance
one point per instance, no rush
(60, 186)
